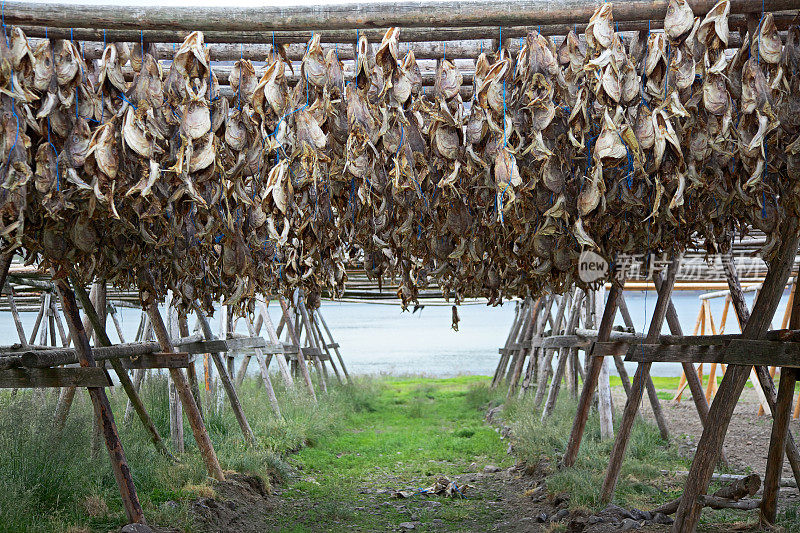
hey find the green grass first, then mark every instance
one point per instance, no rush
(337, 461)
(418, 429)
(50, 483)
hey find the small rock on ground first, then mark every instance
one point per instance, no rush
(491, 469)
(136, 528)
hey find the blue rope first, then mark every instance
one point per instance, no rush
(5, 31)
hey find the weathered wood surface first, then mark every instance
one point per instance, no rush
(780, 428)
(693, 380)
(301, 360)
(592, 373)
(564, 356)
(182, 387)
(266, 320)
(430, 42)
(316, 17)
(130, 390)
(102, 407)
(710, 444)
(639, 383)
(227, 384)
(26, 378)
(159, 360)
(736, 489)
(736, 352)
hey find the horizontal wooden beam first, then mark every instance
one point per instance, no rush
(364, 15)
(44, 358)
(736, 352)
(32, 378)
(160, 360)
(428, 42)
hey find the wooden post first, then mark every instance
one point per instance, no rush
(184, 392)
(227, 384)
(780, 426)
(563, 357)
(545, 368)
(592, 373)
(274, 339)
(325, 347)
(102, 407)
(519, 340)
(122, 374)
(512, 334)
(6, 258)
(311, 339)
(191, 372)
(335, 347)
(605, 407)
(639, 379)
(695, 386)
(742, 314)
(719, 415)
(273, 400)
(301, 360)
(175, 411)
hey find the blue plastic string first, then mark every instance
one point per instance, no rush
(5, 31)
(501, 39)
(125, 99)
(444, 51)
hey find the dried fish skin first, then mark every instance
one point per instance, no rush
(243, 80)
(313, 67)
(196, 120)
(713, 30)
(769, 42)
(600, 29)
(679, 20)
(448, 80)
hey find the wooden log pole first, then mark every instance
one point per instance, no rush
(122, 374)
(532, 329)
(301, 360)
(5, 265)
(334, 343)
(742, 314)
(227, 384)
(639, 379)
(545, 368)
(273, 400)
(311, 17)
(693, 381)
(102, 407)
(324, 345)
(652, 395)
(563, 357)
(781, 413)
(182, 385)
(191, 371)
(512, 334)
(312, 339)
(719, 415)
(592, 373)
(283, 367)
